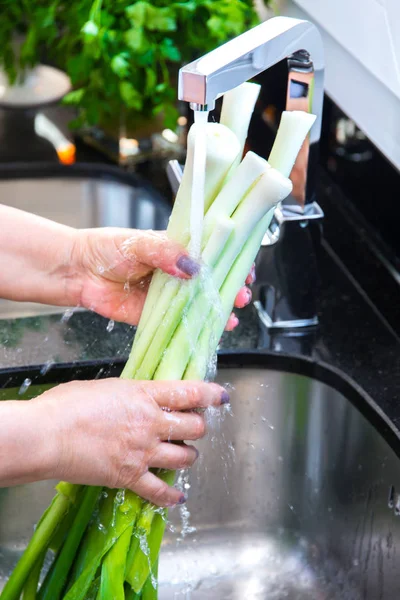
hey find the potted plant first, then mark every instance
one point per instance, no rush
(122, 56)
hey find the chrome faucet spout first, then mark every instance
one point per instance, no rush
(205, 79)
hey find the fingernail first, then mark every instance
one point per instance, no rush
(197, 452)
(249, 295)
(182, 499)
(187, 265)
(235, 322)
(225, 398)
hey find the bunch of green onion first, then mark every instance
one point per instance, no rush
(104, 544)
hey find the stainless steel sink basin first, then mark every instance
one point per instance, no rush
(81, 196)
(295, 495)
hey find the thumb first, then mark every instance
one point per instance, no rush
(155, 250)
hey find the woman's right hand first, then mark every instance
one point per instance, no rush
(111, 432)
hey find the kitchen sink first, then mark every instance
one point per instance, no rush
(296, 493)
(80, 196)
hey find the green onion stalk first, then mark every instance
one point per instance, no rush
(104, 544)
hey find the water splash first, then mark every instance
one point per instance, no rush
(67, 314)
(119, 501)
(143, 544)
(110, 325)
(183, 484)
(47, 366)
(199, 171)
(25, 386)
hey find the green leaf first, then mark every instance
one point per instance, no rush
(29, 47)
(107, 19)
(160, 19)
(161, 87)
(171, 115)
(74, 97)
(147, 58)
(120, 66)
(157, 109)
(78, 67)
(216, 26)
(169, 50)
(186, 6)
(144, 14)
(137, 13)
(151, 81)
(93, 114)
(90, 30)
(136, 40)
(131, 97)
(97, 78)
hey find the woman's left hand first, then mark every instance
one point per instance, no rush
(114, 268)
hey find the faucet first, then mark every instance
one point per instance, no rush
(286, 265)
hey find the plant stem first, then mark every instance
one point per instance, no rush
(292, 131)
(64, 528)
(149, 591)
(113, 569)
(54, 585)
(214, 325)
(38, 544)
(99, 546)
(143, 563)
(94, 536)
(32, 581)
(237, 110)
(142, 533)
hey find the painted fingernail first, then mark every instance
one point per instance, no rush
(188, 265)
(225, 398)
(235, 322)
(182, 499)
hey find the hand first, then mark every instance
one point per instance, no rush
(114, 267)
(111, 432)
(107, 270)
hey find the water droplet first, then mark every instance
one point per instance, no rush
(144, 546)
(100, 269)
(110, 325)
(67, 315)
(47, 366)
(25, 386)
(183, 484)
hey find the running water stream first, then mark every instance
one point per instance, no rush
(199, 170)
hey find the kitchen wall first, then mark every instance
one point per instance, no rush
(362, 44)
